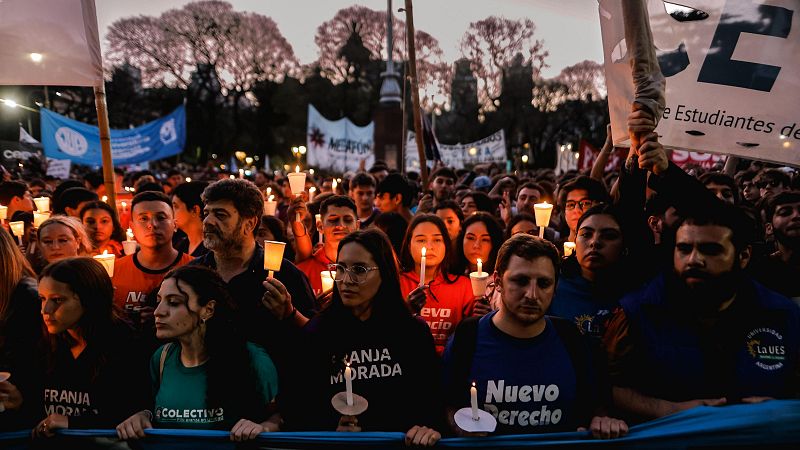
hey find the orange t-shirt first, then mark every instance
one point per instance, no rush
(312, 268)
(447, 304)
(134, 284)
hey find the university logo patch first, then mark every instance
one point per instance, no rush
(765, 346)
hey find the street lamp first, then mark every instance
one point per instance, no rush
(13, 104)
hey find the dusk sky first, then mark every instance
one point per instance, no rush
(569, 28)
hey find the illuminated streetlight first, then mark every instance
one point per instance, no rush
(248, 160)
(36, 57)
(302, 149)
(525, 159)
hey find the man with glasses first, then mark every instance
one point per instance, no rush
(576, 197)
(339, 218)
(771, 182)
(138, 276)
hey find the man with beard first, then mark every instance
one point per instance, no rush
(442, 185)
(338, 220)
(233, 208)
(781, 270)
(535, 374)
(704, 333)
(138, 276)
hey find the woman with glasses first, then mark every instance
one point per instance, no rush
(576, 197)
(442, 298)
(368, 328)
(102, 225)
(206, 368)
(63, 237)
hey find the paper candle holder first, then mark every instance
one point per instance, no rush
(39, 218)
(297, 182)
(569, 248)
(327, 280)
(107, 260)
(479, 282)
(273, 256)
(3, 212)
(42, 204)
(17, 228)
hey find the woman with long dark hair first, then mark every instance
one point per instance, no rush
(369, 328)
(207, 368)
(94, 372)
(102, 225)
(443, 298)
(480, 238)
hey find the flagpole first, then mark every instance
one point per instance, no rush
(105, 143)
(412, 69)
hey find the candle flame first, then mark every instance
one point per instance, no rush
(105, 252)
(473, 384)
(124, 204)
(424, 250)
(271, 197)
(296, 169)
(269, 190)
(105, 198)
(480, 261)
(312, 189)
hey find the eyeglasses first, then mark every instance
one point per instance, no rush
(770, 183)
(582, 205)
(357, 273)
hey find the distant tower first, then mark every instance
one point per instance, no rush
(389, 116)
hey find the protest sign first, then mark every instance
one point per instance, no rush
(732, 71)
(58, 168)
(491, 149)
(338, 145)
(589, 153)
(64, 138)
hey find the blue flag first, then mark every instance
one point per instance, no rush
(64, 138)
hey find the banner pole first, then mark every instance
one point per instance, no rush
(105, 143)
(412, 69)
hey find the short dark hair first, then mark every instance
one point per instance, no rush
(520, 217)
(743, 176)
(722, 179)
(11, 189)
(394, 225)
(149, 187)
(172, 172)
(362, 179)
(482, 201)
(338, 200)
(444, 172)
(450, 204)
(190, 193)
(781, 198)
(73, 197)
(244, 194)
(150, 196)
(724, 215)
(527, 247)
(593, 188)
(94, 179)
(531, 185)
(394, 184)
(773, 175)
(38, 182)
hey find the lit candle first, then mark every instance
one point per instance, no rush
(327, 280)
(17, 228)
(270, 206)
(269, 191)
(107, 260)
(39, 218)
(480, 266)
(318, 218)
(473, 400)
(42, 203)
(333, 186)
(311, 192)
(129, 244)
(297, 181)
(273, 256)
(241, 173)
(542, 212)
(348, 384)
(422, 267)
(3, 212)
(569, 247)
(124, 206)
(104, 199)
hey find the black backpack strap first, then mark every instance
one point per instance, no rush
(578, 348)
(465, 340)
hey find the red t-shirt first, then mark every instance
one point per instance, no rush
(133, 283)
(313, 266)
(446, 306)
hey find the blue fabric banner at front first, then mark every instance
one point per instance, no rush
(64, 138)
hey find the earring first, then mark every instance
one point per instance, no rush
(203, 321)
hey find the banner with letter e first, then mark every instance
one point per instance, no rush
(732, 72)
(338, 145)
(64, 138)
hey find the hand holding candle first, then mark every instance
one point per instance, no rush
(479, 280)
(542, 212)
(422, 267)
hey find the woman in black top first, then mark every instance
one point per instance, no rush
(390, 352)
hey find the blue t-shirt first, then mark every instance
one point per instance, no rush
(529, 385)
(575, 301)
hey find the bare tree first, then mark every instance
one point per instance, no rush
(491, 44)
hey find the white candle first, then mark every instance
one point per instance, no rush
(318, 218)
(311, 192)
(473, 400)
(542, 212)
(129, 247)
(104, 199)
(270, 206)
(42, 204)
(569, 247)
(480, 266)
(269, 191)
(348, 384)
(3, 212)
(422, 267)
(327, 281)
(17, 228)
(107, 260)
(129, 234)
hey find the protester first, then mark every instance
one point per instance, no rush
(74, 199)
(771, 181)
(394, 194)
(451, 214)
(517, 347)
(362, 191)
(658, 341)
(442, 298)
(576, 197)
(188, 208)
(390, 353)
(20, 331)
(441, 185)
(394, 226)
(723, 186)
(206, 365)
(16, 196)
(270, 228)
(527, 195)
(780, 270)
(137, 276)
(88, 352)
(339, 218)
(102, 225)
(475, 201)
(480, 238)
(62, 237)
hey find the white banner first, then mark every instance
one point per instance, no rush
(491, 149)
(338, 145)
(48, 42)
(58, 168)
(732, 70)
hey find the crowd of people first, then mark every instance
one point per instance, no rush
(651, 290)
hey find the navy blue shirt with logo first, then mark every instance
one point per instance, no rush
(661, 348)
